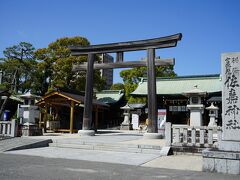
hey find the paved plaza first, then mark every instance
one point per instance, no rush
(125, 155)
(77, 163)
(21, 167)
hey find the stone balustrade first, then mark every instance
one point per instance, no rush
(8, 128)
(193, 136)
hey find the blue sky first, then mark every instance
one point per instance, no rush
(209, 28)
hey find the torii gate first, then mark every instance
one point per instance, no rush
(119, 48)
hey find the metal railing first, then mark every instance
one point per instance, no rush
(192, 136)
(8, 128)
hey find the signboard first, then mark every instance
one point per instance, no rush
(162, 116)
(135, 121)
(231, 96)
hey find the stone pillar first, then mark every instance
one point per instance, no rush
(13, 128)
(227, 158)
(87, 113)
(231, 97)
(168, 134)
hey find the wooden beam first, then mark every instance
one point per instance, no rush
(40, 119)
(71, 116)
(45, 118)
(162, 42)
(128, 64)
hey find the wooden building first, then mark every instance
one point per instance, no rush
(63, 111)
(115, 99)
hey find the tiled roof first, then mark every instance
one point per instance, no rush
(137, 105)
(181, 84)
(70, 96)
(110, 96)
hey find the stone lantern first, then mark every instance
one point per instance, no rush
(28, 112)
(195, 105)
(126, 124)
(213, 114)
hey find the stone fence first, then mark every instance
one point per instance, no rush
(192, 136)
(8, 128)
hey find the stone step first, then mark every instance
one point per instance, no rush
(19, 143)
(118, 147)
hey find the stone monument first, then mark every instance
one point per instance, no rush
(226, 159)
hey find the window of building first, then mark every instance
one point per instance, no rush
(177, 108)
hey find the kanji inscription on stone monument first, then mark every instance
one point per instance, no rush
(231, 96)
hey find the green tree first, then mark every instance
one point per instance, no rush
(18, 67)
(131, 78)
(117, 86)
(55, 66)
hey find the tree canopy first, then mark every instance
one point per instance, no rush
(43, 69)
(131, 78)
(117, 86)
(55, 65)
(18, 67)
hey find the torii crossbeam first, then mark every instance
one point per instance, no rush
(150, 45)
(128, 64)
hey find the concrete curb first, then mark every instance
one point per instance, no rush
(28, 145)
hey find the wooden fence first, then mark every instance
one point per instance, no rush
(192, 136)
(8, 128)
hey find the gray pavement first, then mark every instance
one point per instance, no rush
(130, 139)
(21, 167)
(181, 162)
(22, 143)
(127, 139)
(88, 155)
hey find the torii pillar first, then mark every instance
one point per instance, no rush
(152, 97)
(87, 113)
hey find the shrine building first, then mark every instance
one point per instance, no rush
(171, 95)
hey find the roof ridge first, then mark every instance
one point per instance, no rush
(187, 77)
(109, 91)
